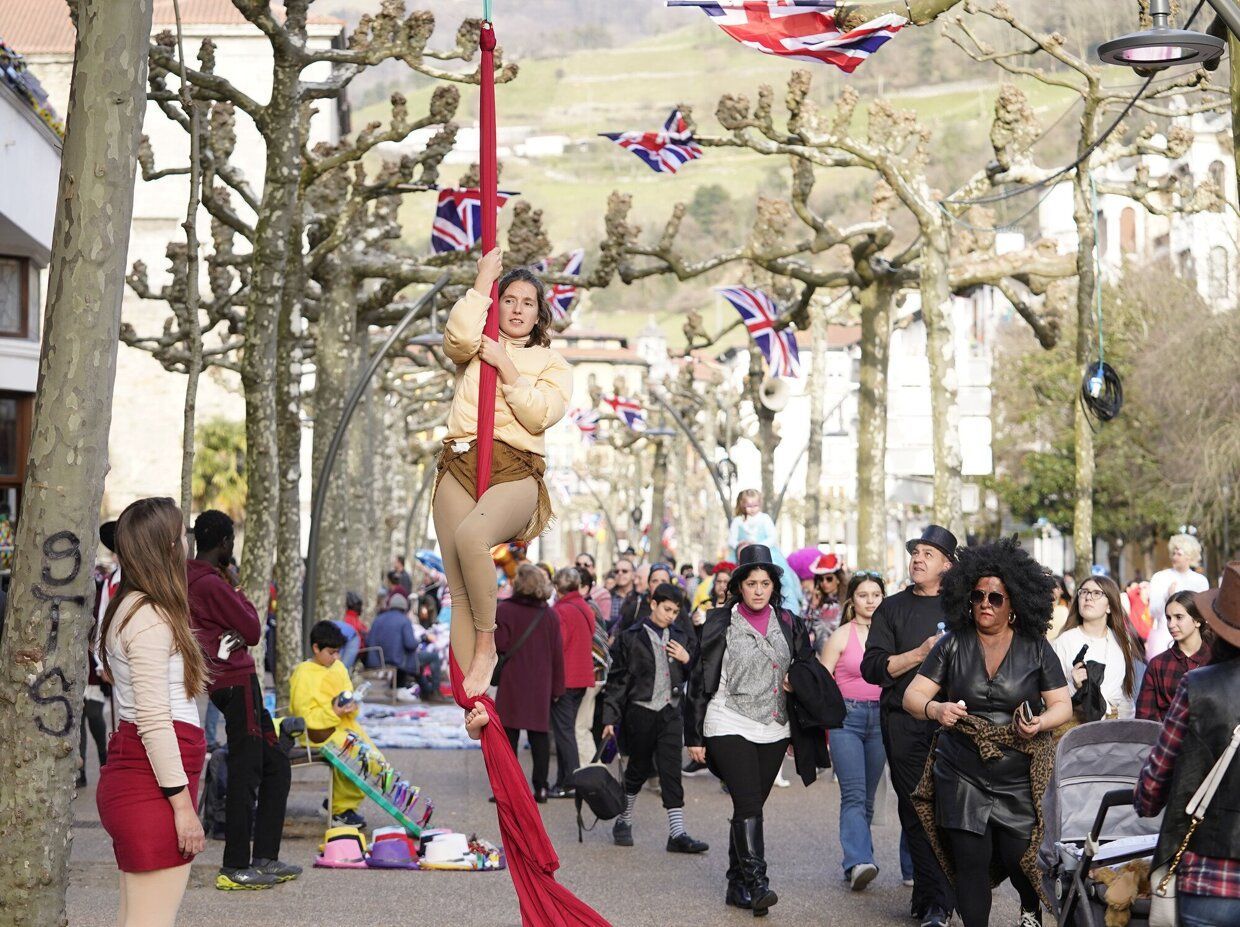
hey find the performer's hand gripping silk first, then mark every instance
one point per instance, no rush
(533, 390)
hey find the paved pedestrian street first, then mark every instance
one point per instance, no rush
(642, 886)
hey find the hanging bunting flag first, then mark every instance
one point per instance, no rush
(759, 312)
(805, 30)
(587, 421)
(562, 295)
(663, 151)
(458, 219)
(629, 411)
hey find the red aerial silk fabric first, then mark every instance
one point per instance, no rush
(531, 857)
(489, 183)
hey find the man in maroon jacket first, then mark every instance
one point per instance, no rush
(226, 624)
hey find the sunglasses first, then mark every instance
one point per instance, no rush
(868, 574)
(977, 597)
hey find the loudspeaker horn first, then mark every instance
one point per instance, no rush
(775, 393)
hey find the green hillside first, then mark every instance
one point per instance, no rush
(634, 87)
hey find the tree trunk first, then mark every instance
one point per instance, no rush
(1087, 283)
(42, 656)
(377, 541)
(658, 499)
(936, 312)
(289, 570)
(360, 528)
(767, 439)
(876, 302)
(1086, 294)
(336, 368)
(258, 362)
(817, 411)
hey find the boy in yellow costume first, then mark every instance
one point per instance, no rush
(315, 691)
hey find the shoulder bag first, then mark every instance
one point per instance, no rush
(516, 645)
(1163, 910)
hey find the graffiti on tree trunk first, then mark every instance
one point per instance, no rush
(64, 545)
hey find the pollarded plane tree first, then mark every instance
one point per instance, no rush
(870, 261)
(1047, 58)
(265, 214)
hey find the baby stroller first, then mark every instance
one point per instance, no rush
(1090, 820)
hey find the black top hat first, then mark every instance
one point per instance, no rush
(750, 558)
(936, 536)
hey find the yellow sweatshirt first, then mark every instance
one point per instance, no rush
(523, 410)
(312, 691)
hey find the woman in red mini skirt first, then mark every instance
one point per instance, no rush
(148, 790)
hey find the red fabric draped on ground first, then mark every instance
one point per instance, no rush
(531, 857)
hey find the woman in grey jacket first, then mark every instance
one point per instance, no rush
(738, 711)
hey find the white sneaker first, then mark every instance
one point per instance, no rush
(1030, 918)
(781, 782)
(862, 875)
(407, 695)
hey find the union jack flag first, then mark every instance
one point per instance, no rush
(760, 314)
(663, 151)
(629, 411)
(587, 421)
(802, 29)
(458, 219)
(562, 295)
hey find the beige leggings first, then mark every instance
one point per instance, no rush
(152, 899)
(467, 530)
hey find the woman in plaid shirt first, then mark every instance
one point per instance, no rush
(1190, 651)
(1197, 729)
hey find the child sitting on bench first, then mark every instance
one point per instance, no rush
(320, 691)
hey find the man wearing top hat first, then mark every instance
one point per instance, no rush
(1200, 724)
(903, 630)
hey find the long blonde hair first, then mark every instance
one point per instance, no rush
(152, 560)
(744, 496)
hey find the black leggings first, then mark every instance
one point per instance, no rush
(747, 769)
(972, 853)
(540, 747)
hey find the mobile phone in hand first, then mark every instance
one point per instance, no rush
(1024, 712)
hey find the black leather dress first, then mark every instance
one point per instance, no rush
(969, 794)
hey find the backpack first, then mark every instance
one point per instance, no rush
(597, 787)
(214, 796)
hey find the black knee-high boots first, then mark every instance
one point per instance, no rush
(750, 848)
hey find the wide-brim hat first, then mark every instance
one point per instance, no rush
(750, 558)
(346, 851)
(938, 537)
(1221, 607)
(446, 850)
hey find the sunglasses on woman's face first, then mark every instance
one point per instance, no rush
(996, 599)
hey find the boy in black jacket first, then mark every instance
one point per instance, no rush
(650, 666)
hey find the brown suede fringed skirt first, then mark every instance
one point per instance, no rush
(507, 466)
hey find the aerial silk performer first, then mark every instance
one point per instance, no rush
(510, 388)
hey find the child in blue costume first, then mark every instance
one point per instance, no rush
(753, 526)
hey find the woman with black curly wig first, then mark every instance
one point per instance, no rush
(994, 670)
(737, 710)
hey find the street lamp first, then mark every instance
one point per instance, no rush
(1161, 46)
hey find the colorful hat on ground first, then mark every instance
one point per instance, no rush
(392, 854)
(448, 851)
(343, 848)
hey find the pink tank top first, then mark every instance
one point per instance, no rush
(848, 671)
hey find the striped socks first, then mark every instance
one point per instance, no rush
(675, 822)
(630, 801)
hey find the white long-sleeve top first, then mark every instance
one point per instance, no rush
(148, 683)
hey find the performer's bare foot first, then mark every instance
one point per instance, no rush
(475, 721)
(481, 668)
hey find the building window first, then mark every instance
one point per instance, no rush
(16, 410)
(1220, 274)
(1128, 230)
(1188, 267)
(14, 298)
(1218, 175)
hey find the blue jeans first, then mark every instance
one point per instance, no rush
(858, 757)
(906, 858)
(1207, 911)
